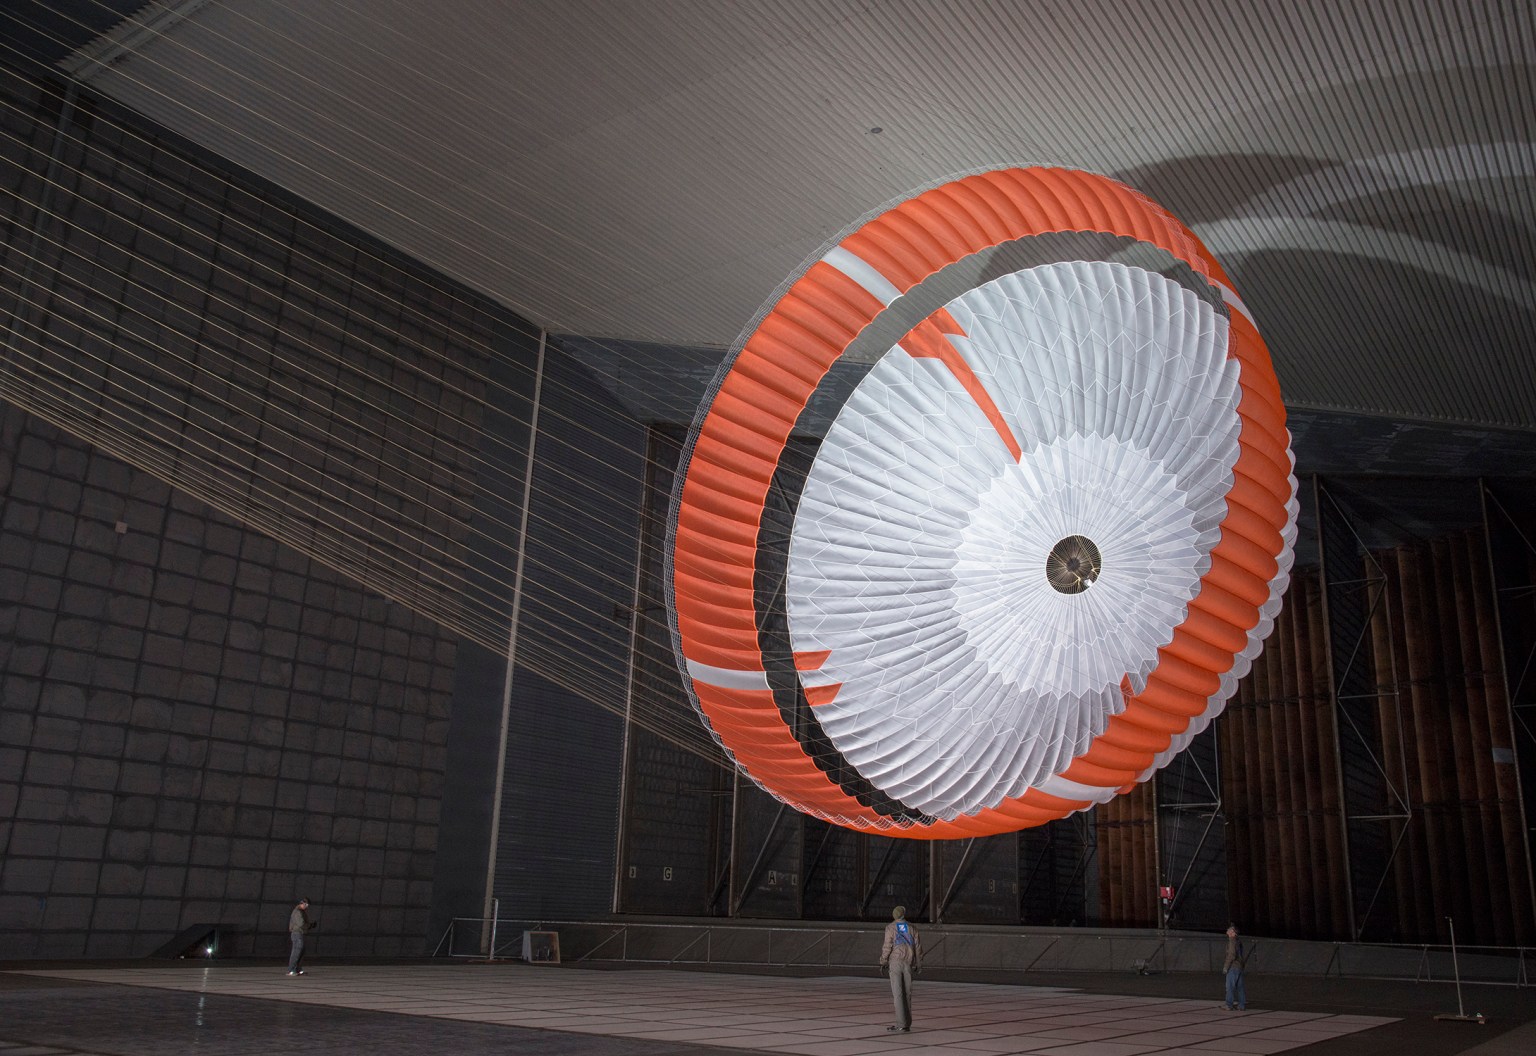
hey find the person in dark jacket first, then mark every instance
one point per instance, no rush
(1232, 966)
(298, 927)
(900, 956)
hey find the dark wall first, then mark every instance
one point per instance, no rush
(465, 837)
(559, 812)
(214, 398)
(1192, 852)
(1371, 760)
(198, 724)
(677, 830)
(464, 833)
(559, 805)
(978, 880)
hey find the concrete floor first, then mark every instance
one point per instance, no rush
(471, 1009)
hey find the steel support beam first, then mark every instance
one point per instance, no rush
(1519, 699)
(1345, 675)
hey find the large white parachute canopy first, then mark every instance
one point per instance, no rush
(1041, 537)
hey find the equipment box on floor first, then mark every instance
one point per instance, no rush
(541, 947)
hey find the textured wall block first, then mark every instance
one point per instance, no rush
(65, 939)
(75, 878)
(250, 608)
(129, 845)
(201, 689)
(263, 762)
(241, 666)
(217, 570)
(96, 537)
(21, 554)
(159, 682)
(291, 795)
(261, 791)
(114, 914)
(226, 756)
(55, 733)
(59, 527)
(136, 812)
(70, 463)
(174, 582)
(152, 713)
(47, 592)
(146, 745)
(120, 641)
(81, 596)
(171, 848)
(42, 797)
(115, 675)
(159, 914)
(26, 659)
(34, 453)
(186, 751)
(72, 841)
(267, 731)
(76, 633)
(182, 782)
(27, 876)
(62, 493)
(88, 808)
(241, 632)
(163, 647)
(22, 518)
(45, 559)
(132, 580)
(119, 878)
(186, 529)
(194, 721)
(65, 913)
(211, 597)
(201, 659)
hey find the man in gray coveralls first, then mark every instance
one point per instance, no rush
(901, 955)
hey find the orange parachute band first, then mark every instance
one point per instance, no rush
(1044, 533)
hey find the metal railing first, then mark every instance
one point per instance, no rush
(1007, 950)
(477, 937)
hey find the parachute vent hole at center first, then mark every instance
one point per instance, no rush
(1073, 565)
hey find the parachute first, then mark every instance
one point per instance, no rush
(987, 515)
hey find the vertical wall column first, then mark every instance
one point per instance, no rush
(1279, 791)
(975, 881)
(1191, 835)
(766, 857)
(1128, 859)
(1460, 862)
(1368, 782)
(512, 629)
(1506, 640)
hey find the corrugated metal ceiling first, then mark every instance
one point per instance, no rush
(653, 171)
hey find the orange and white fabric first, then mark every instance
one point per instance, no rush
(870, 632)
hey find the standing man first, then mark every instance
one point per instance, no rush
(298, 927)
(900, 956)
(1237, 996)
